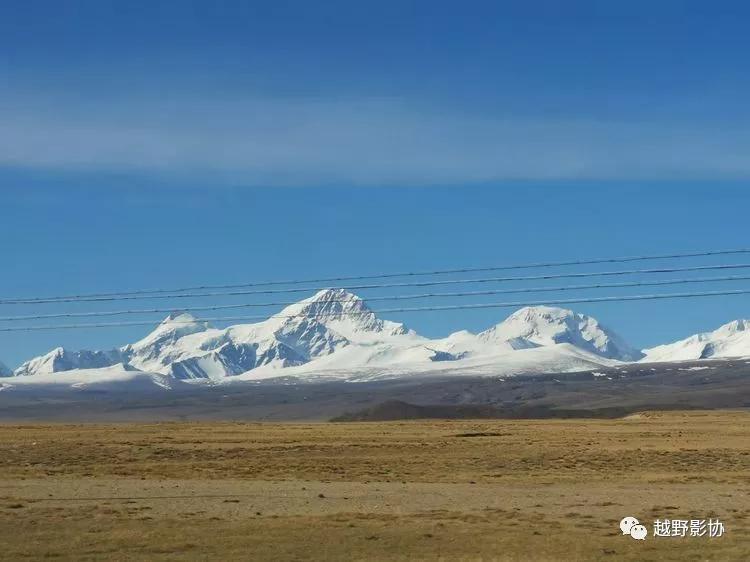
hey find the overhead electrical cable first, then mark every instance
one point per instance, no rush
(34, 301)
(396, 310)
(145, 292)
(379, 298)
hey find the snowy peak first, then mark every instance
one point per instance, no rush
(545, 325)
(176, 325)
(60, 359)
(335, 329)
(732, 328)
(172, 328)
(330, 304)
(729, 340)
(185, 347)
(343, 311)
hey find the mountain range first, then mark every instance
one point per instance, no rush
(335, 336)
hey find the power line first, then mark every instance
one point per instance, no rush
(381, 285)
(144, 292)
(380, 298)
(395, 310)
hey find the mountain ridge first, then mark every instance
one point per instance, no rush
(729, 340)
(334, 334)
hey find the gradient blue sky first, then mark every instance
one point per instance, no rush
(147, 144)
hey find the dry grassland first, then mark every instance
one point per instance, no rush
(459, 490)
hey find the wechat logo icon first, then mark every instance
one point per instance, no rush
(631, 526)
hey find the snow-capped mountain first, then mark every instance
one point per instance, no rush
(346, 313)
(4, 370)
(186, 348)
(730, 340)
(334, 335)
(213, 353)
(544, 325)
(115, 378)
(60, 359)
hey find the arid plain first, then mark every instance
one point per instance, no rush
(416, 490)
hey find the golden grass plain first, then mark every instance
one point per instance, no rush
(416, 490)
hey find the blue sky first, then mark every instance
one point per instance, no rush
(170, 143)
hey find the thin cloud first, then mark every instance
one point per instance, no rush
(363, 142)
